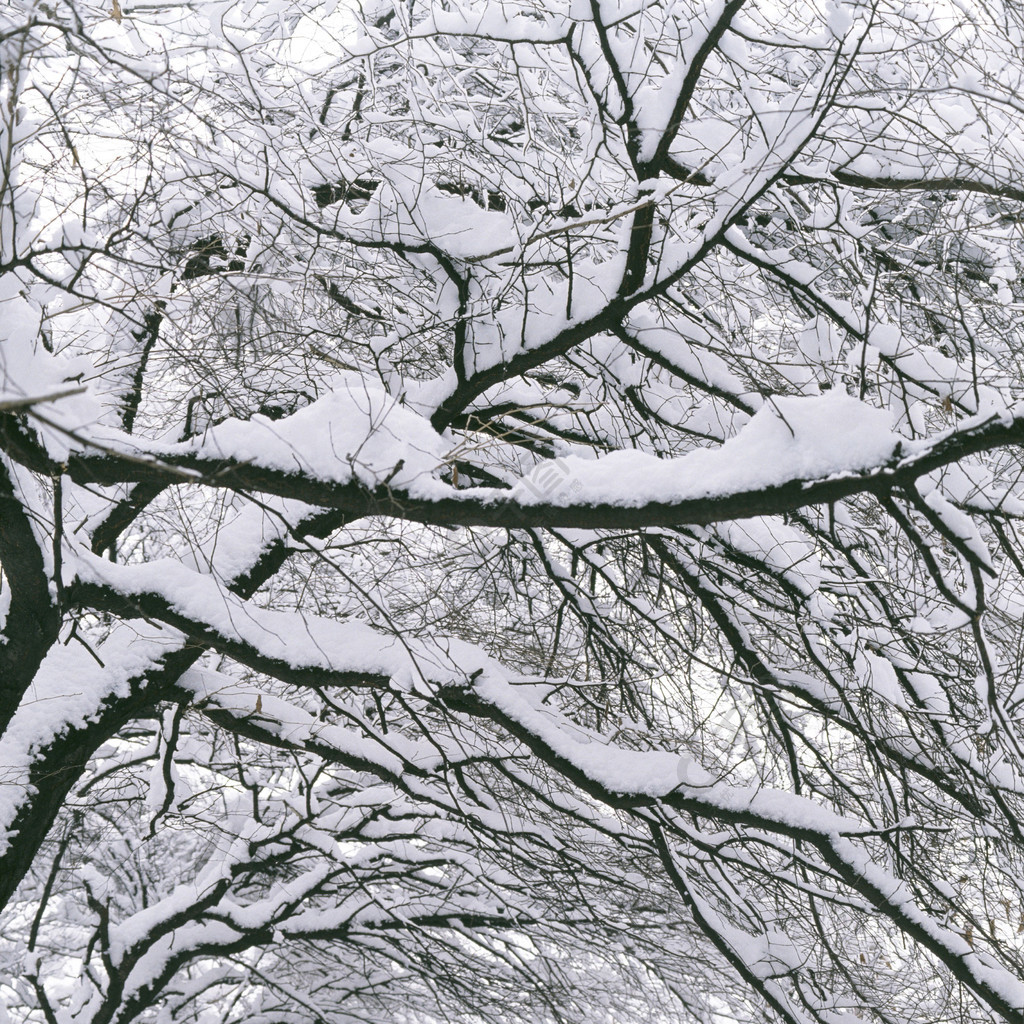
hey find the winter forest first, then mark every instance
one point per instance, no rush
(511, 511)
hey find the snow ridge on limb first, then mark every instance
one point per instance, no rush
(782, 461)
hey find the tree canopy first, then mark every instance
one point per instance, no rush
(511, 511)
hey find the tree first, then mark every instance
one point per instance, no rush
(511, 512)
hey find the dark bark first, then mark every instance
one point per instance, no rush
(33, 618)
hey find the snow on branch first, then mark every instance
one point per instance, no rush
(795, 452)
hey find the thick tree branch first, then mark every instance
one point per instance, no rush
(470, 508)
(33, 617)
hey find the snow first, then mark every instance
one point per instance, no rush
(355, 432)
(790, 439)
(299, 728)
(861, 649)
(292, 638)
(70, 690)
(359, 433)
